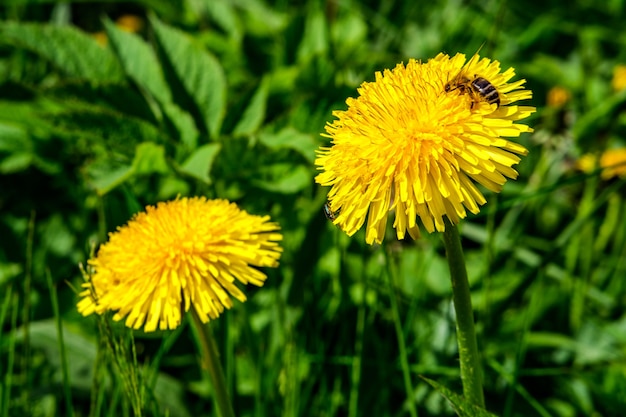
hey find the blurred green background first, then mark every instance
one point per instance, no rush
(106, 107)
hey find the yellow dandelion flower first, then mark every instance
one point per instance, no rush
(412, 144)
(180, 254)
(619, 78)
(130, 23)
(558, 97)
(586, 163)
(613, 162)
(101, 38)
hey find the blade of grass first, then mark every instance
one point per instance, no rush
(520, 354)
(404, 360)
(519, 388)
(355, 375)
(64, 368)
(28, 278)
(8, 376)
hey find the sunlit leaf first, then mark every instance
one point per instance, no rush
(290, 138)
(198, 165)
(253, 116)
(13, 138)
(197, 71)
(16, 162)
(287, 179)
(182, 123)
(150, 158)
(139, 62)
(315, 39)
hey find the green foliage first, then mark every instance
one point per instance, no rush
(227, 100)
(461, 406)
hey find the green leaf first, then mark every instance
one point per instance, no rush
(259, 19)
(16, 162)
(197, 71)
(254, 114)
(461, 406)
(149, 158)
(286, 179)
(290, 138)
(114, 129)
(182, 123)
(198, 165)
(315, 40)
(116, 97)
(105, 180)
(224, 14)
(71, 51)
(139, 62)
(13, 138)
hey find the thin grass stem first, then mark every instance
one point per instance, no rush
(67, 391)
(404, 360)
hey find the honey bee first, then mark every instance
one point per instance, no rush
(330, 215)
(478, 88)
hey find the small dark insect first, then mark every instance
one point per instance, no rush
(479, 89)
(330, 215)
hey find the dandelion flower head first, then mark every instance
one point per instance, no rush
(417, 140)
(619, 78)
(587, 163)
(558, 97)
(613, 162)
(180, 254)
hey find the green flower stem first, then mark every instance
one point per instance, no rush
(466, 336)
(211, 362)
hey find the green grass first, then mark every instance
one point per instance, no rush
(228, 99)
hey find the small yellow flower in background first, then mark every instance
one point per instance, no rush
(129, 23)
(614, 163)
(101, 38)
(409, 143)
(180, 254)
(619, 78)
(558, 97)
(587, 163)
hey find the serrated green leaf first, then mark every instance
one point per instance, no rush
(113, 128)
(198, 72)
(139, 62)
(116, 97)
(70, 50)
(287, 179)
(254, 114)
(198, 165)
(290, 138)
(183, 123)
(461, 406)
